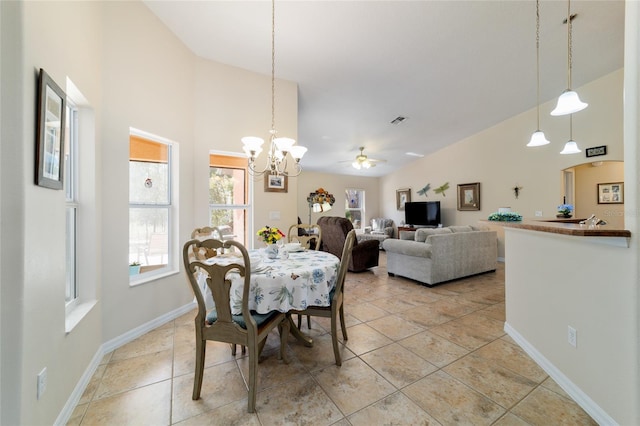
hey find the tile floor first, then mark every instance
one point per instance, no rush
(415, 356)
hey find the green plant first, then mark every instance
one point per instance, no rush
(134, 263)
(505, 217)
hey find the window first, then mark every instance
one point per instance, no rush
(354, 207)
(71, 199)
(80, 200)
(151, 212)
(228, 196)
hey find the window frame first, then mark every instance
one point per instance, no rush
(172, 266)
(361, 209)
(248, 206)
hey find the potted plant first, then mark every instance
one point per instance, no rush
(564, 210)
(134, 268)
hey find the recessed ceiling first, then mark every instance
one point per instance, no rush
(453, 67)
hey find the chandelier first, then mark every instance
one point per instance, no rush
(279, 148)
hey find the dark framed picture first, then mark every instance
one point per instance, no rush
(402, 196)
(50, 133)
(611, 193)
(596, 151)
(275, 183)
(469, 196)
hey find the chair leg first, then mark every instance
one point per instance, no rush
(201, 347)
(344, 327)
(253, 376)
(299, 321)
(233, 349)
(309, 321)
(284, 328)
(334, 337)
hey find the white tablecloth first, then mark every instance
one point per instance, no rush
(302, 280)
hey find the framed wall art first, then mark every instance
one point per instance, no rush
(611, 193)
(469, 196)
(275, 183)
(402, 196)
(50, 133)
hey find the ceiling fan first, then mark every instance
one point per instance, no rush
(364, 162)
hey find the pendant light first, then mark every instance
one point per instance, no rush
(538, 138)
(569, 101)
(570, 147)
(279, 148)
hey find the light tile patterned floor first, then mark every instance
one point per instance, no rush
(415, 355)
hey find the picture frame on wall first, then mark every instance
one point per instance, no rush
(469, 196)
(403, 196)
(50, 133)
(611, 193)
(275, 183)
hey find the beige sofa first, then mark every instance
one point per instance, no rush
(436, 255)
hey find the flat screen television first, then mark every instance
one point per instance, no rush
(422, 213)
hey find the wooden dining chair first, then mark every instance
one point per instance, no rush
(309, 236)
(337, 299)
(249, 329)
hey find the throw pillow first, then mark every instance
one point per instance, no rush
(423, 233)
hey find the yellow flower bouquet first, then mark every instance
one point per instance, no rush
(270, 235)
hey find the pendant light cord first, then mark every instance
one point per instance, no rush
(273, 67)
(538, 60)
(569, 46)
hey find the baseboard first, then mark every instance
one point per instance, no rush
(109, 346)
(581, 398)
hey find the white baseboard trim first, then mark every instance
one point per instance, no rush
(501, 259)
(581, 398)
(109, 346)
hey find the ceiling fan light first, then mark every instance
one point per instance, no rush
(356, 165)
(568, 103)
(570, 147)
(538, 139)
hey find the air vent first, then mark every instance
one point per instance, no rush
(399, 119)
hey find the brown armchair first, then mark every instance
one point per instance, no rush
(334, 233)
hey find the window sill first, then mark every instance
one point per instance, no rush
(149, 277)
(76, 315)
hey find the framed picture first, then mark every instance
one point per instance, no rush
(611, 193)
(275, 183)
(50, 133)
(403, 196)
(469, 196)
(596, 151)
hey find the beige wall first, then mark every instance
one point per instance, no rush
(587, 178)
(499, 159)
(230, 103)
(308, 182)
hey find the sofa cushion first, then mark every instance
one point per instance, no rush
(408, 248)
(423, 233)
(463, 228)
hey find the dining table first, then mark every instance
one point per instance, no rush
(293, 280)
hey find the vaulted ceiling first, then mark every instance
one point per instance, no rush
(452, 68)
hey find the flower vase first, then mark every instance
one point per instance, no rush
(271, 251)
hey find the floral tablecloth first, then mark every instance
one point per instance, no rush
(302, 280)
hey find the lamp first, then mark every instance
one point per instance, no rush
(320, 201)
(538, 138)
(569, 101)
(570, 147)
(279, 148)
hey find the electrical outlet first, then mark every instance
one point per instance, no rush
(42, 383)
(572, 336)
(538, 213)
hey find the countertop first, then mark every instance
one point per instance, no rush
(565, 227)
